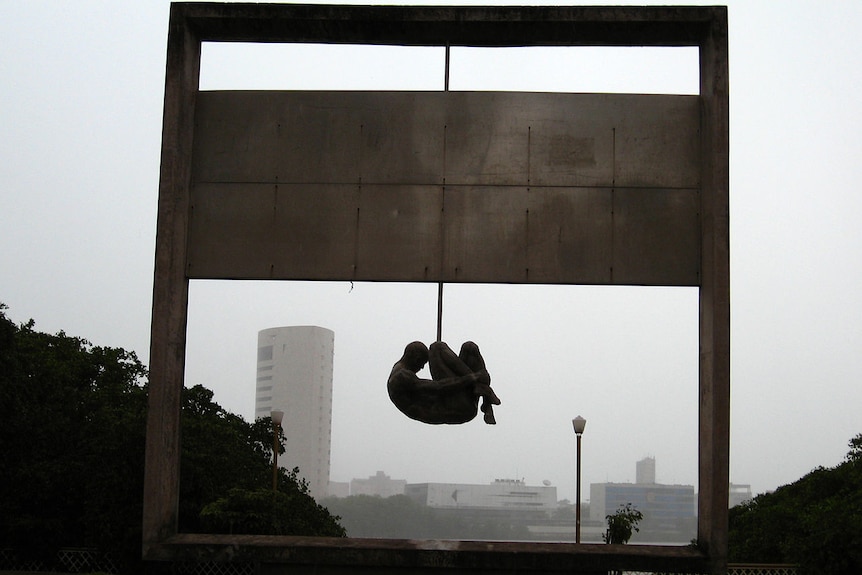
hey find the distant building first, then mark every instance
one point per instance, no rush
(294, 375)
(380, 485)
(338, 489)
(667, 502)
(739, 493)
(506, 509)
(669, 510)
(505, 494)
(645, 470)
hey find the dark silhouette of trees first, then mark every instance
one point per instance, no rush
(72, 427)
(815, 522)
(289, 511)
(72, 421)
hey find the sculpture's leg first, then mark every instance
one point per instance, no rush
(444, 364)
(471, 356)
(488, 412)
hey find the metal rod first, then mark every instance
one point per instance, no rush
(440, 311)
(446, 71)
(440, 284)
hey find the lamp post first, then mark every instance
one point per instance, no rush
(578, 423)
(277, 416)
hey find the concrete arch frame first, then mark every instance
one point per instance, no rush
(632, 194)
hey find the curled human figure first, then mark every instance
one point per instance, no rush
(452, 396)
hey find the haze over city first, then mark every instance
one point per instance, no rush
(81, 124)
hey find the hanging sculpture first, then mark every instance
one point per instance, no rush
(452, 395)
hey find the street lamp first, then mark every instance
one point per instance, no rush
(578, 423)
(276, 416)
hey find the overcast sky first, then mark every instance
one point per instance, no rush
(80, 128)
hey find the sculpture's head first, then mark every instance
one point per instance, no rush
(415, 356)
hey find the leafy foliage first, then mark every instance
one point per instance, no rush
(221, 451)
(72, 427)
(855, 453)
(622, 524)
(263, 511)
(815, 522)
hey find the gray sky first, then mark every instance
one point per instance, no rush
(80, 128)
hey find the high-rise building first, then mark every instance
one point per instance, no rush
(294, 375)
(645, 470)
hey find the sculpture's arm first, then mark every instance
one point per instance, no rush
(404, 382)
(462, 380)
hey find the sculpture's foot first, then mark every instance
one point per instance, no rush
(488, 411)
(489, 416)
(487, 394)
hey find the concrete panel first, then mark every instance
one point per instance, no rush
(485, 235)
(657, 142)
(265, 231)
(487, 138)
(570, 238)
(294, 152)
(227, 224)
(315, 231)
(399, 233)
(460, 138)
(656, 237)
(236, 139)
(265, 137)
(402, 136)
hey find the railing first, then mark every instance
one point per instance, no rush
(739, 569)
(71, 560)
(91, 561)
(760, 569)
(213, 568)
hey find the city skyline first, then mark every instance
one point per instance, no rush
(382, 484)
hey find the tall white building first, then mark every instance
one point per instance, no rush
(294, 375)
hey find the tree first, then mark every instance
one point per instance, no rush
(226, 472)
(855, 453)
(815, 522)
(289, 511)
(72, 427)
(220, 452)
(72, 431)
(622, 524)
